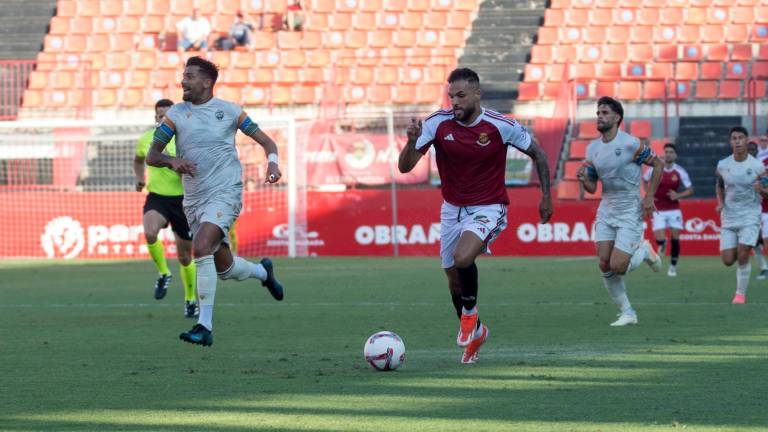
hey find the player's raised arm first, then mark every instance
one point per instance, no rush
(156, 158)
(250, 128)
(409, 156)
(539, 157)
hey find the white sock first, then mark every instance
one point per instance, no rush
(618, 291)
(206, 289)
(760, 257)
(241, 270)
(469, 312)
(640, 254)
(742, 278)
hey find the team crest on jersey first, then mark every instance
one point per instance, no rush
(219, 115)
(749, 171)
(617, 151)
(674, 177)
(483, 140)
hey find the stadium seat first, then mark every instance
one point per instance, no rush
(605, 88)
(601, 17)
(717, 52)
(630, 90)
(736, 33)
(571, 167)
(706, 89)
(742, 52)
(686, 71)
(730, 89)
(554, 17)
(755, 89)
(762, 53)
(680, 90)
(528, 91)
(66, 8)
(588, 129)
(671, 16)
(641, 128)
(578, 149)
(654, 90)
(661, 71)
(760, 70)
(668, 53)
(711, 71)
(657, 145)
(641, 53)
(688, 34)
(643, 35)
(569, 189)
(648, 16)
(736, 70)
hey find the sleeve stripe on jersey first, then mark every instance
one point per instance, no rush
(440, 112)
(498, 116)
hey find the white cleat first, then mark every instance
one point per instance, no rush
(625, 319)
(651, 257)
(672, 271)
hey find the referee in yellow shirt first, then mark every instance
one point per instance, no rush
(164, 206)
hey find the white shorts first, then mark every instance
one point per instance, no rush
(667, 219)
(221, 211)
(485, 221)
(626, 239)
(764, 224)
(730, 238)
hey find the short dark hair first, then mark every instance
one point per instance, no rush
(162, 103)
(670, 145)
(741, 129)
(206, 67)
(613, 104)
(464, 74)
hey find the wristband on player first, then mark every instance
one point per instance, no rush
(272, 157)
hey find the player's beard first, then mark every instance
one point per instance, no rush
(465, 113)
(603, 127)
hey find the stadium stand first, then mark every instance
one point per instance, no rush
(357, 44)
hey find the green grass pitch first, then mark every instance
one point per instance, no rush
(85, 347)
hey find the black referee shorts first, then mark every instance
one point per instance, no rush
(172, 210)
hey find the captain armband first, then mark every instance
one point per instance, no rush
(163, 134)
(720, 182)
(248, 126)
(590, 171)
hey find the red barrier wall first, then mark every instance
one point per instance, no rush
(358, 222)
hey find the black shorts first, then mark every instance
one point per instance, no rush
(172, 210)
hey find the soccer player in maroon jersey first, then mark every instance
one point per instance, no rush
(667, 200)
(471, 152)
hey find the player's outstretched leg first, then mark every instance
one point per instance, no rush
(470, 352)
(614, 283)
(264, 271)
(206, 289)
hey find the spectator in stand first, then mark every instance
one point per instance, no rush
(241, 32)
(193, 32)
(294, 16)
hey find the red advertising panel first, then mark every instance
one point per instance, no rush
(355, 223)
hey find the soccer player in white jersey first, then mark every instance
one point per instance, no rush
(471, 145)
(667, 201)
(205, 129)
(739, 190)
(615, 159)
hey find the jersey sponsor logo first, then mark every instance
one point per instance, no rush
(63, 237)
(367, 235)
(674, 177)
(449, 137)
(219, 115)
(483, 139)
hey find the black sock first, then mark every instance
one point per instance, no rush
(468, 279)
(675, 251)
(457, 303)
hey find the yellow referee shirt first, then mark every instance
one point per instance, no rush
(161, 181)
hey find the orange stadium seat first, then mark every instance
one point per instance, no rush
(692, 52)
(742, 52)
(648, 16)
(711, 71)
(601, 17)
(571, 167)
(686, 71)
(588, 130)
(131, 98)
(717, 52)
(594, 34)
(736, 33)
(696, 15)
(736, 70)
(667, 53)
(730, 89)
(755, 89)
(610, 70)
(568, 189)
(578, 149)
(547, 36)
(565, 54)
(89, 8)
(630, 90)
(706, 89)
(760, 70)
(671, 15)
(689, 34)
(418, 5)
(618, 35)
(661, 71)
(528, 91)
(680, 90)
(641, 128)
(644, 35)
(554, 17)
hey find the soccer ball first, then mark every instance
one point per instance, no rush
(384, 351)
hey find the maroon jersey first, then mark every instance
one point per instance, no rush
(472, 159)
(671, 180)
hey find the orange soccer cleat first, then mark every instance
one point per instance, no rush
(470, 353)
(467, 329)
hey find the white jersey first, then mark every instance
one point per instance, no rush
(762, 154)
(618, 165)
(205, 135)
(742, 202)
